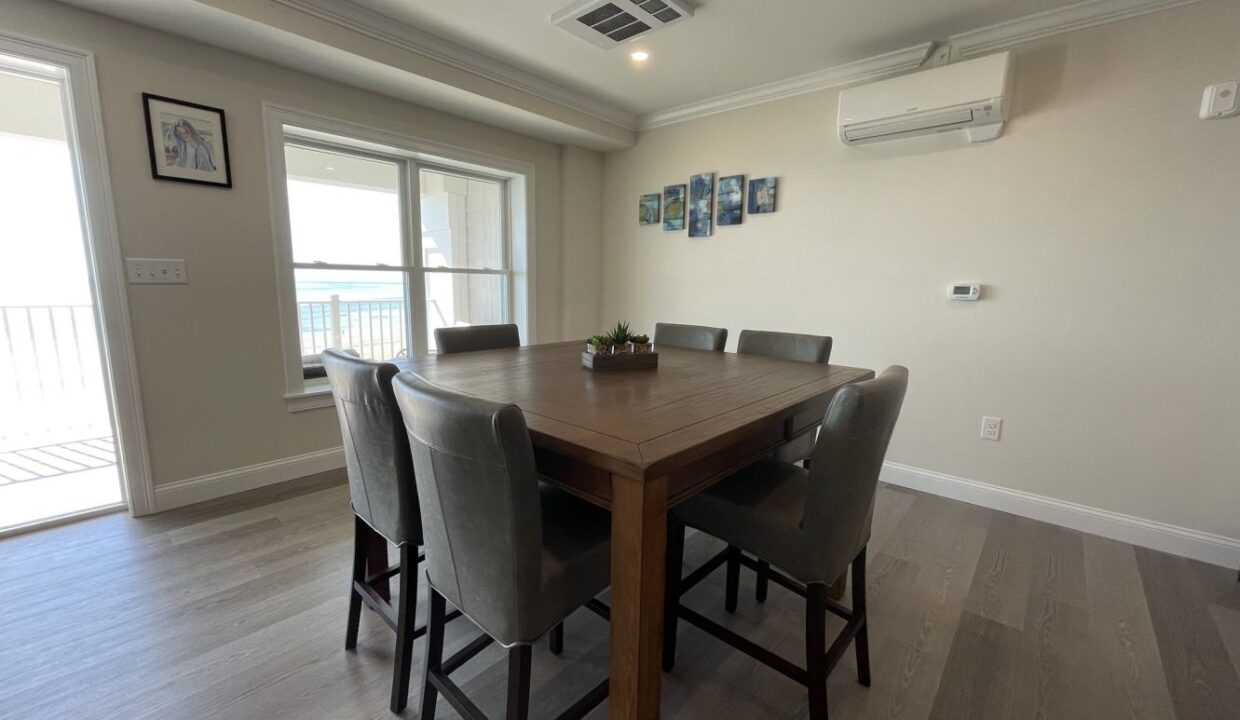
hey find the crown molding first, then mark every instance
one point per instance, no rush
(379, 27)
(865, 69)
(974, 42)
(1055, 22)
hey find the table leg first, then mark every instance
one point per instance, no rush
(377, 562)
(638, 544)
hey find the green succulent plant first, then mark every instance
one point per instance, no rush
(620, 334)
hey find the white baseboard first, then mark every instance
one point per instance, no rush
(1206, 547)
(208, 487)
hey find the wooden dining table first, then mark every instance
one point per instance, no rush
(637, 442)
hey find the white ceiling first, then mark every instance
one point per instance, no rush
(502, 62)
(727, 46)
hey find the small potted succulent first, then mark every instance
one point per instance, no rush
(620, 337)
(639, 343)
(598, 345)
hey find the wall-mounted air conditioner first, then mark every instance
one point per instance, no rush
(969, 96)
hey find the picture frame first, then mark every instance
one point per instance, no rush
(762, 195)
(648, 207)
(674, 207)
(731, 198)
(701, 204)
(188, 142)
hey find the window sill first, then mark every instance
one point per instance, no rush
(312, 398)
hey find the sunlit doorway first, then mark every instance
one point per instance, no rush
(57, 442)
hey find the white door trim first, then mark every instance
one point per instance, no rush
(104, 260)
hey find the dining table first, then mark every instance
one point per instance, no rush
(637, 442)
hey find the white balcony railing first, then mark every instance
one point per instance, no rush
(51, 382)
(371, 328)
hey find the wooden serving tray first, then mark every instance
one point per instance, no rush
(623, 361)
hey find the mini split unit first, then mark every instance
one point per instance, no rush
(969, 96)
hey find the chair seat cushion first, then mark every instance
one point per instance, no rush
(759, 509)
(576, 557)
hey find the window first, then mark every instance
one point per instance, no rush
(366, 269)
(463, 250)
(345, 225)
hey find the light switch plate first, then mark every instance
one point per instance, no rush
(156, 271)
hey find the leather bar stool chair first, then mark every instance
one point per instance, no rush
(788, 346)
(811, 523)
(476, 337)
(384, 500)
(515, 555)
(690, 337)
(785, 346)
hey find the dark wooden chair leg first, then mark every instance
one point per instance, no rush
(377, 560)
(734, 579)
(858, 607)
(405, 619)
(436, 609)
(671, 593)
(816, 649)
(764, 581)
(518, 683)
(361, 536)
(555, 641)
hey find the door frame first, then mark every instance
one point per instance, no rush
(105, 265)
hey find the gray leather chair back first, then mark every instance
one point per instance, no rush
(480, 501)
(376, 448)
(786, 346)
(843, 480)
(477, 337)
(691, 337)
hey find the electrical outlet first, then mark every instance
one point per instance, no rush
(992, 428)
(162, 271)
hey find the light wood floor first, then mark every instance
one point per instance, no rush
(236, 609)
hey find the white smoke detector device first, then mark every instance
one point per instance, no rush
(965, 291)
(1219, 101)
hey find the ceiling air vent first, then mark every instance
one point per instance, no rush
(607, 23)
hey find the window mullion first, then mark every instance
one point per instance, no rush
(415, 276)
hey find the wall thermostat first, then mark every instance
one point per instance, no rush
(966, 291)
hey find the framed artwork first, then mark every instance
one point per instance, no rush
(762, 195)
(731, 197)
(648, 209)
(674, 207)
(701, 203)
(188, 142)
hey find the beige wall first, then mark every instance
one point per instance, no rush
(1106, 223)
(208, 353)
(583, 216)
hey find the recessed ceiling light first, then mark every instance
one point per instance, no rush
(639, 56)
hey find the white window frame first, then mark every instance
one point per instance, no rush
(285, 125)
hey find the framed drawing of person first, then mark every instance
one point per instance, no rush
(188, 141)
